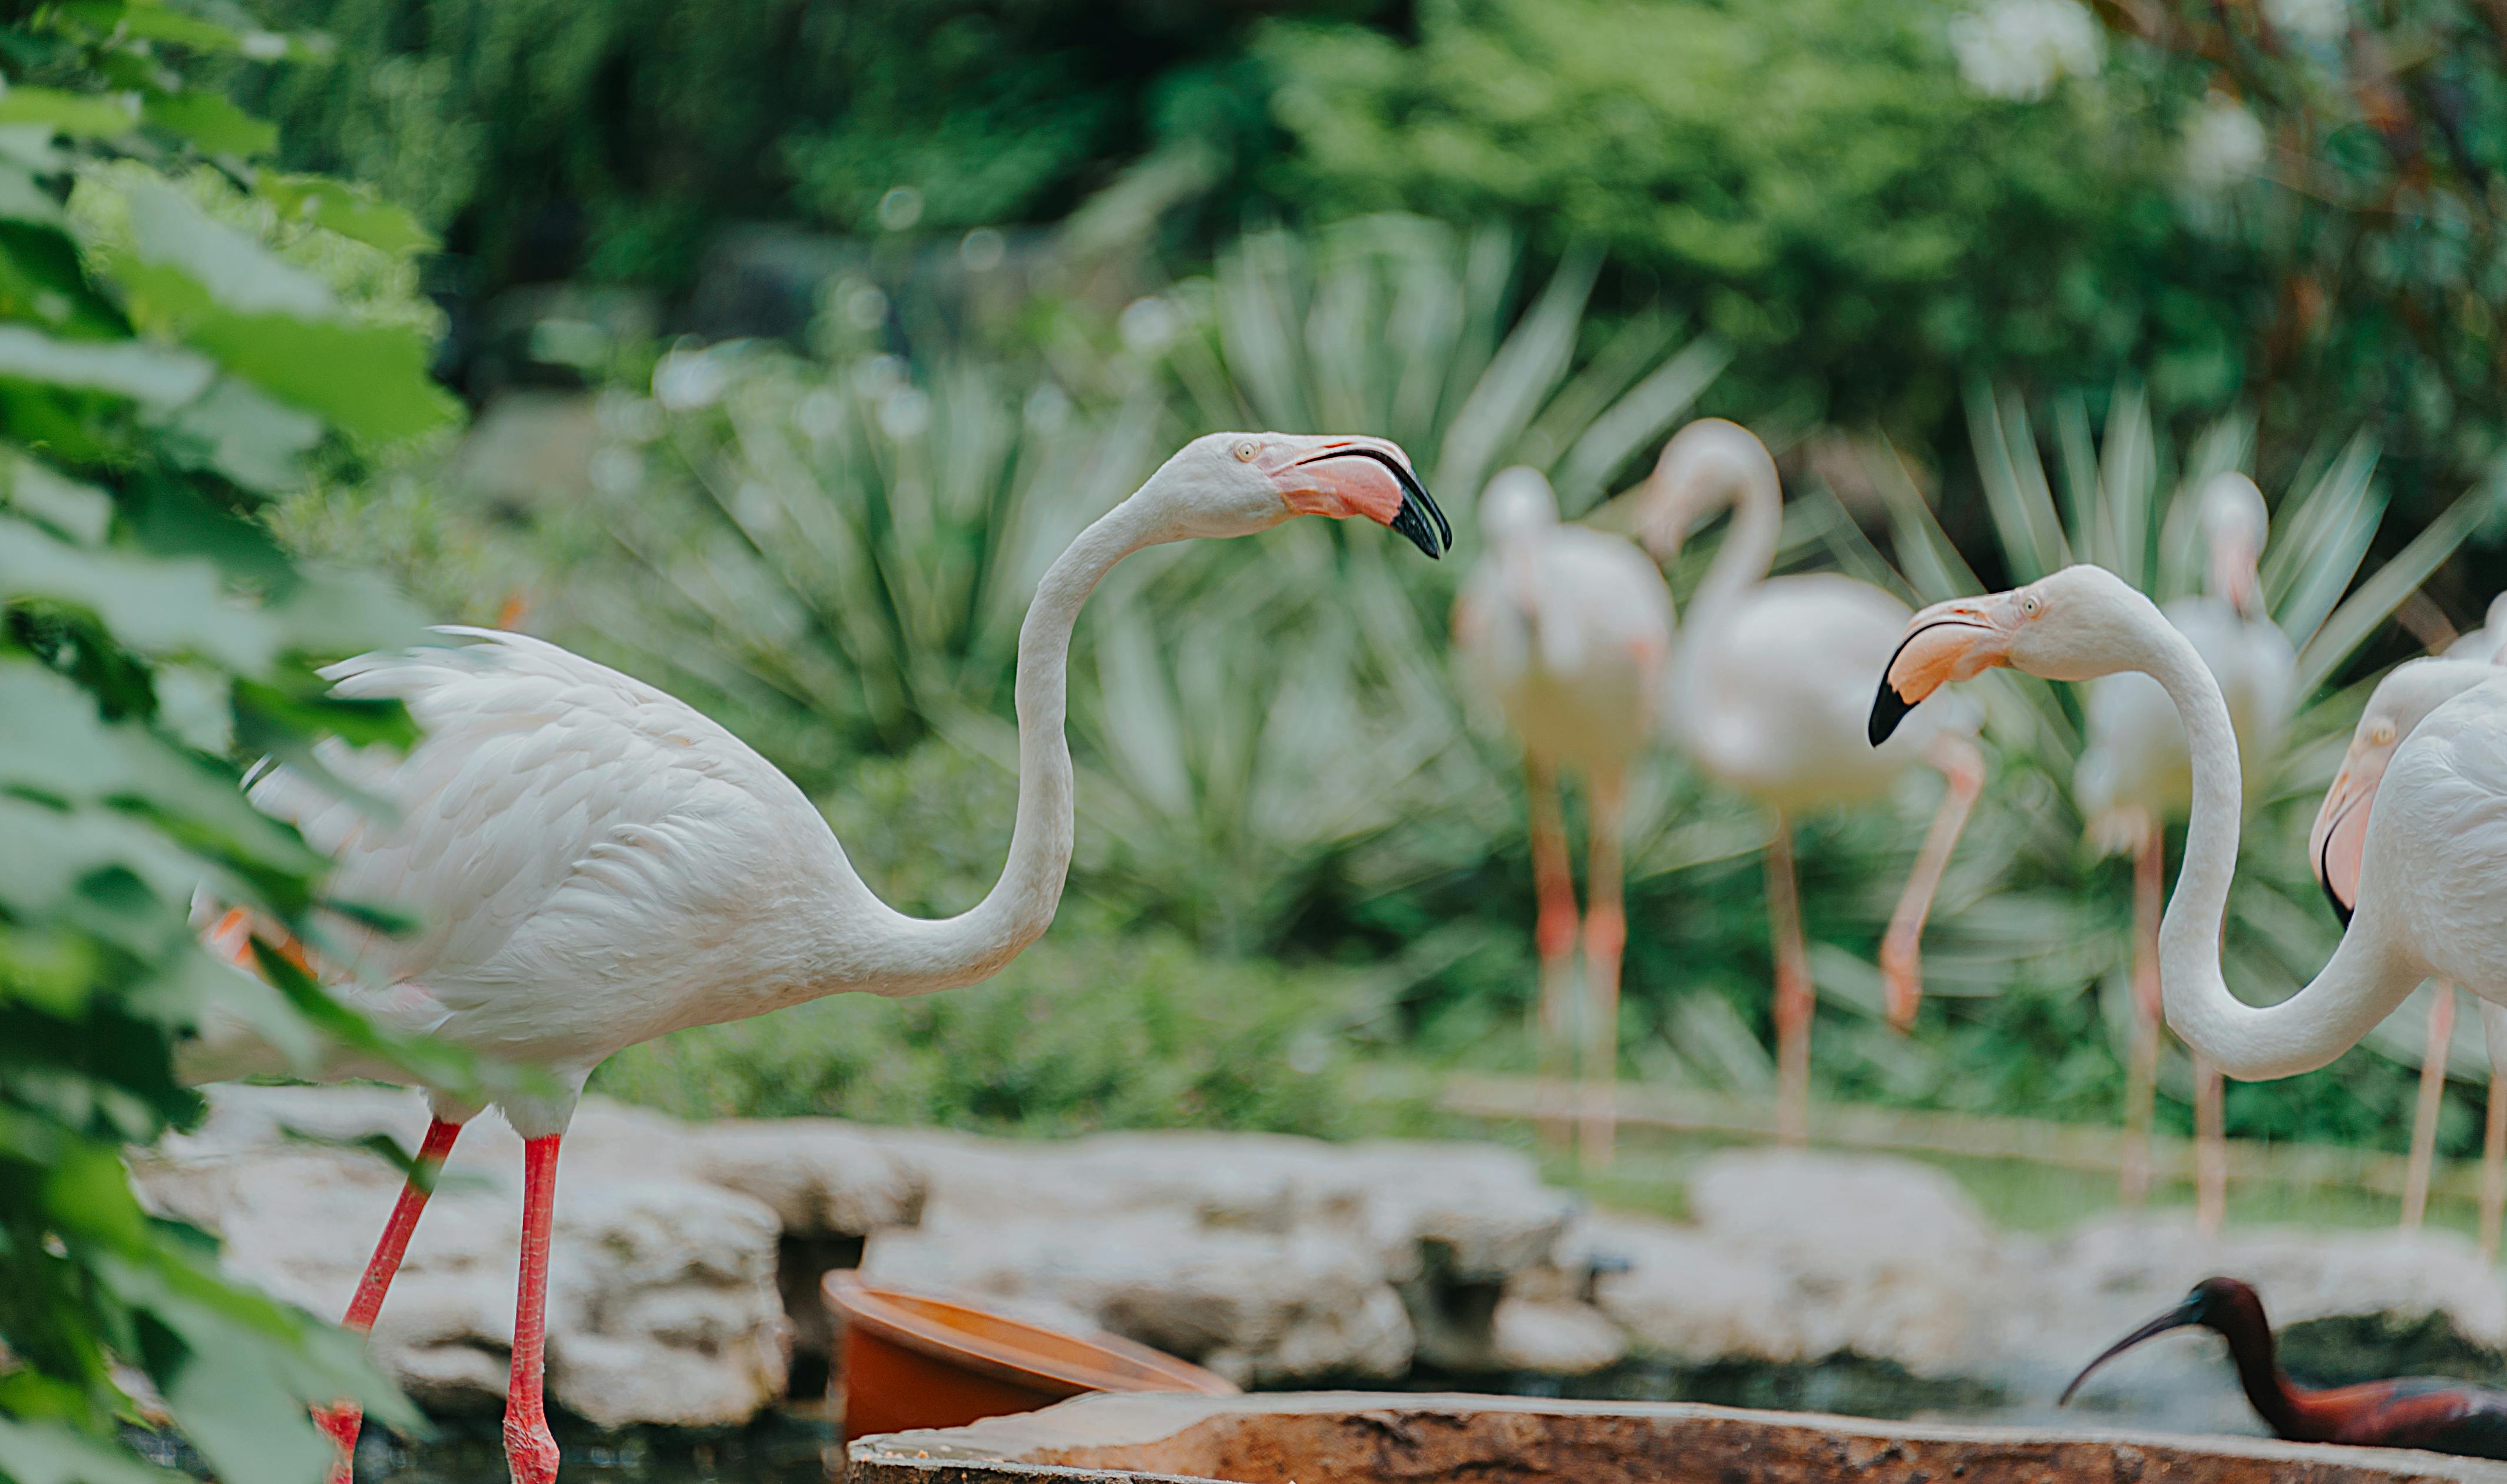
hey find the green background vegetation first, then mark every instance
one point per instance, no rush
(1052, 239)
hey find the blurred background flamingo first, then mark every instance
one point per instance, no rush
(1762, 699)
(1566, 632)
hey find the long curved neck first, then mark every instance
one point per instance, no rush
(2357, 987)
(1749, 548)
(2281, 1405)
(899, 955)
(1741, 562)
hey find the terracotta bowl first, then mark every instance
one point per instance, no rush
(907, 1361)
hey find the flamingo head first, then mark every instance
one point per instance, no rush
(2225, 1304)
(2073, 625)
(1517, 512)
(1704, 462)
(1237, 483)
(2338, 842)
(2235, 521)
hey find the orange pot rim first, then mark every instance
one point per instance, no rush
(907, 1319)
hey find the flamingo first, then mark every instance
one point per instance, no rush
(2401, 702)
(2436, 1413)
(2429, 853)
(1567, 632)
(2133, 775)
(1755, 692)
(595, 863)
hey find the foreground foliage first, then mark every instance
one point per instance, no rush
(162, 371)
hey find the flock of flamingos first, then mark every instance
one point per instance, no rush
(592, 863)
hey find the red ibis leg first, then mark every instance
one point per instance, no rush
(2432, 1097)
(2141, 1080)
(1553, 937)
(1794, 995)
(1901, 948)
(342, 1422)
(1606, 937)
(530, 1453)
(2211, 1152)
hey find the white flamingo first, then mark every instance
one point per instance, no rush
(2430, 854)
(1763, 699)
(2401, 702)
(2134, 775)
(595, 863)
(1566, 632)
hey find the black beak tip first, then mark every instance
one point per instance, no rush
(1411, 523)
(1888, 708)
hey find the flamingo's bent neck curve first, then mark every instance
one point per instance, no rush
(912, 956)
(2360, 985)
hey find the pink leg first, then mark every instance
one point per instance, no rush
(1553, 935)
(1606, 937)
(2211, 1152)
(2433, 1055)
(1901, 966)
(342, 1422)
(530, 1451)
(1793, 997)
(2141, 1083)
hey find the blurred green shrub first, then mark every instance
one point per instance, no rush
(549, 138)
(1856, 221)
(163, 372)
(1079, 1033)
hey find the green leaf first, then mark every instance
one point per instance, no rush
(82, 114)
(155, 606)
(369, 380)
(22, 200)
(210, 121)
(245, 435)
(235, 272)
(154, 375)
(48, 1452)
(2380, 596)
(57, 855)
(337, 207)
(81, 513)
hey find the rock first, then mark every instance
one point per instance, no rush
(687, 1258)
(662, 1300)
(1555, 1338)
(1796, 1257)
(820, 1177)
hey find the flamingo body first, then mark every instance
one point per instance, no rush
(1578, 670)
(1763, 692)
(1568, 633)
(590, 863)
(1772, 709)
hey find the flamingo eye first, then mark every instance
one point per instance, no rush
(2381, 734)
(1245, 450)
(2028, 606)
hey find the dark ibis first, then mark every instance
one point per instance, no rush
(2431, 1412)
